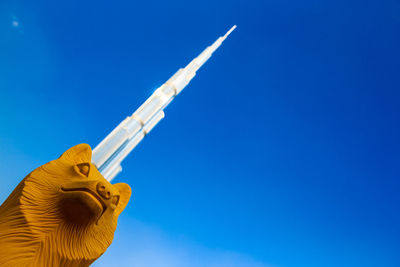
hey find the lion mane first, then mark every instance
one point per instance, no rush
(64, 213)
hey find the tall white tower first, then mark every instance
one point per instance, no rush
(108, 155)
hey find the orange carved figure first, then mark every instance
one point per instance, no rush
(64, 213)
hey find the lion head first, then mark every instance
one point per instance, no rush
(71, 211)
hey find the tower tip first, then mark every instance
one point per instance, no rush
(229, 32)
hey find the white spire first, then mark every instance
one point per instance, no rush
(229, 32)
(108, 155)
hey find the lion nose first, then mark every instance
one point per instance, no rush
(103, 190)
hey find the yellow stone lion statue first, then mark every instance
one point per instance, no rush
(64, 213)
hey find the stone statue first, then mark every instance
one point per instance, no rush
(64, 213)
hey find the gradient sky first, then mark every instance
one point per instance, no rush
(283, 151)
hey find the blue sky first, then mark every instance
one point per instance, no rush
(283, 151)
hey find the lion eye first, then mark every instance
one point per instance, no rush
(115, 200)
(83, 168)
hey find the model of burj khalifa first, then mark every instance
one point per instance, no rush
(108, 155)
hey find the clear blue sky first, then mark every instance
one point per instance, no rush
(283, 151)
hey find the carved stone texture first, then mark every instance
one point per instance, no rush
(64, 213)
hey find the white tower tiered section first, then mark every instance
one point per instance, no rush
(108, 155)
